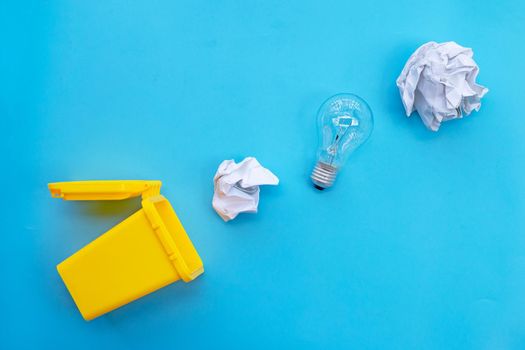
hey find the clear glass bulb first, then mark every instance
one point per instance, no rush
(344, 122)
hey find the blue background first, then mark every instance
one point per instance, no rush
(421, 244)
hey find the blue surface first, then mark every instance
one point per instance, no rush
(421, 245)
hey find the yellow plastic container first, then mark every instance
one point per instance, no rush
(143, 253)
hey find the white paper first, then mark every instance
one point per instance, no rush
(439, 81)
(236, 187)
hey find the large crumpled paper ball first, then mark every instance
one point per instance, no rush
(439, 81)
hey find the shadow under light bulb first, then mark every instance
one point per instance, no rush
(344, 122)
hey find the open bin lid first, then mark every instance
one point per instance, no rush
(104, 190)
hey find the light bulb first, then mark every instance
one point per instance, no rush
(344, 123)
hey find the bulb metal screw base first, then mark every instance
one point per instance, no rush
(323, 175)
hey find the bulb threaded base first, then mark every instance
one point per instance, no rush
(323, 175)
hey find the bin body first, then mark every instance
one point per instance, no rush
(122, 265)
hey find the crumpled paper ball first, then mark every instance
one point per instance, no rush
(439, 81)
(236, 187)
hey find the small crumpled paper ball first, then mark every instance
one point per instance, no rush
(236, 187)
(439, 81)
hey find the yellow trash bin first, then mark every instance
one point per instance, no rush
(145, 252)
